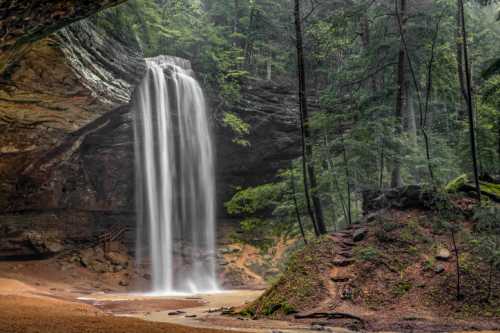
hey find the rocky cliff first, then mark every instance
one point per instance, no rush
(271, 109)
(24, 22)
(61, 103)
(66, 88)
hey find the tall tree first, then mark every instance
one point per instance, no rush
(306, 133)
(402, 88)
(470, 108)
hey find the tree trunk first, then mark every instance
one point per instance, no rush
(248, 50)
(460, 62)
(382, 157)
(269, 68)
(401, 97)
(297, 212)
(236, 22)
(318, 212)
(470, 108)
(348, 183)
(457, 266)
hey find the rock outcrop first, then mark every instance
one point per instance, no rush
(59, 97)
(24, 22)
(25, 244)
(66, 148)
(272, 111)
(406, 197)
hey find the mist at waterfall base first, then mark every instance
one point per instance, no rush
(175, 185)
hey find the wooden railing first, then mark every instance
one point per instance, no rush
(114, 234)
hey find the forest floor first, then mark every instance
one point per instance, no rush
(395, 273)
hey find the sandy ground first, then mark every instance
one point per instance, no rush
(27, 309)
(32, 309)
(203, 315)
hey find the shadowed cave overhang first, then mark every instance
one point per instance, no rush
(24, 22)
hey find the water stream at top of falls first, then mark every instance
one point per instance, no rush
(175, 186)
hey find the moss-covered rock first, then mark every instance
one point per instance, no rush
(301, 285)
(463, 183)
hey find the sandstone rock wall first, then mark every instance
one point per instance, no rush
(271, 109)
(24, 22)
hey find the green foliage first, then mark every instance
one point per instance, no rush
(402, 287)
(367, 253)
(254, 200)
(240, 128)
(456, 184)
(487, 240)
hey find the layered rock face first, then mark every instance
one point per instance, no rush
(67, 142)
(272, 112)
(59, 96)
(24, 22)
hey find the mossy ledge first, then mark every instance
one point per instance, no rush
(301, 286)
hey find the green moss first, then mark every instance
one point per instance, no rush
(301, 283)
(457, 183)
(402, 287)
(367, 253)
(429, 263)
(491, 188)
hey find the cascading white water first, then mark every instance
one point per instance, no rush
(174, 179)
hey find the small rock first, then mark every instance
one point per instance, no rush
(359, 234)
(227, 311)
(117, 259)
(371, 217)
(229, 250)
(320, 328)
(176, 313)
(123, 283)
(343, 262)
(439, 269)
(443, 254)
(340, 279)
(147, 276)
(190, 316)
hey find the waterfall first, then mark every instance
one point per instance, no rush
(175, 186)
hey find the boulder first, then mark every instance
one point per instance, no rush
(439, 269)
(359, 234)
(490, 186)
(29, 243)
(117, 259)
(407, 197)
(443, 254)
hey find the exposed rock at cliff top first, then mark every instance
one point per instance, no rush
(24, 22)
(66, 87)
